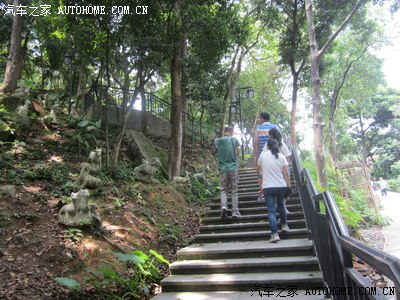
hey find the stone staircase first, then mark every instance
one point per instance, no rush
(233, 259)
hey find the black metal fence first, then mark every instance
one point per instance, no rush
(195, 130)
(335, 248)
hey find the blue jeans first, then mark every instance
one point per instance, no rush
(274, 196)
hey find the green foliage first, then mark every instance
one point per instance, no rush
(171, 232)
(129, 280)
(394, 184)
(69, 283)
(118, 203)
(15, 163)
(124, 172)
(6, 124)
(73, 234)
(139, 271)
(83, 139)
(51, 172)
(351, 216)
(202, 191)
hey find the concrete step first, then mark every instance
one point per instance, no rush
(254, 217)
(245, 265)
(255, 210)
(241, 281)
(252, 183)
(266, 292)
(249, 249)
(233, 259)
(250, 226)
(251, 195)
(250, 203)
(249, 236)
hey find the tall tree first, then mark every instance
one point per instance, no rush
(348, 59)
(178, 46)
(15, 57)
(204, 29)
(316, 57)
(293, 49)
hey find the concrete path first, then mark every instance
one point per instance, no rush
(391, 209)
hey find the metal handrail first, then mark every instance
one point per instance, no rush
(194, 128)
(335, 247)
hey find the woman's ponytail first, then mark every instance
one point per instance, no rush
(272, 145)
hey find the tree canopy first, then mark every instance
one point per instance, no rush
(200, 56)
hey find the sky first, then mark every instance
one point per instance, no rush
(391, 53)
(391, 69)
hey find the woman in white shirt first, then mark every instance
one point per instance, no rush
(274, 133)
(275, 175)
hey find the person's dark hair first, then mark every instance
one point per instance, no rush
(228, 129)
(276, 134)
(265, 116)
(272, 145)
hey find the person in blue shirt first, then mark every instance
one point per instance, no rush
(260, 138)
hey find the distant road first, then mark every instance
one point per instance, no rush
(391, 232)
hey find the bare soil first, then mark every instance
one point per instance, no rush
(35, 248)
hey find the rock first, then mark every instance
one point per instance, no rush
(138, 141)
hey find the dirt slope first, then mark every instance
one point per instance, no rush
(34, 248)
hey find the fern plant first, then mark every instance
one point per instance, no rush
(139, 271)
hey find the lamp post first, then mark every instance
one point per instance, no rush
(68, 61)
(237, 107)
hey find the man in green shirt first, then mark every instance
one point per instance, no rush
(228, 150)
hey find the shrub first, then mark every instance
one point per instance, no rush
(394, 185)
(131, 279)
(351, 216)
(83, 139)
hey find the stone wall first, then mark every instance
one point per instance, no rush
(155, 126)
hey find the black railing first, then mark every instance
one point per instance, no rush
(158, 106)
(335, 247)
(194, 129)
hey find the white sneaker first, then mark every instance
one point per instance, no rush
(274, 238)
(236, 215)
(285, 228)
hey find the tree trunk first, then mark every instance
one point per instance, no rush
(228, 92)
(79, 88)
(184, 93)
(293, 135)
(118, 142)
(332, 141)
(364, 153)
(140, 87)
(143, 113)
(14, 60)
(318, 125)
(316, 56)
(175, 147)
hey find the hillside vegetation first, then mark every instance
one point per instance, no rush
(42, 163)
